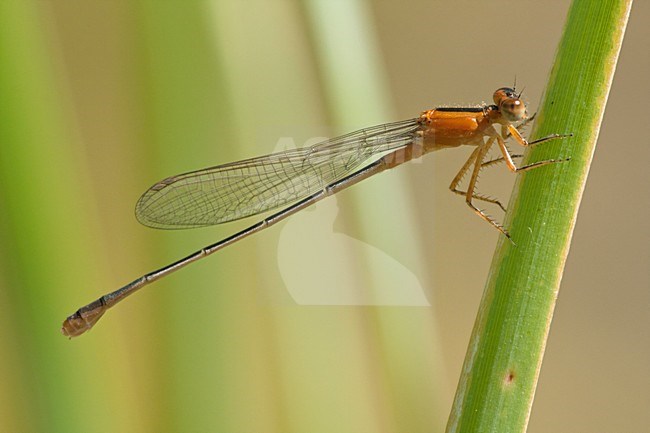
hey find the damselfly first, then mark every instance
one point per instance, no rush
(295, 179)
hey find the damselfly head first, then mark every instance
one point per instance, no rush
(512, 108)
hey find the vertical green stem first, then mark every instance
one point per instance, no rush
(503, 361)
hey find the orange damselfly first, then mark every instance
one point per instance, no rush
(301, 177)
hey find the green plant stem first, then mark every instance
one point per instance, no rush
(503, 361)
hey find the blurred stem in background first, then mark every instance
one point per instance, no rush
(50, 241)
(356, 89)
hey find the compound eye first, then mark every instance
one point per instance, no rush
(503, 93)
(513, 109)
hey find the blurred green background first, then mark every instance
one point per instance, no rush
(100, 99)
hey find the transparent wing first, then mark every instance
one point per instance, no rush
(240, 189)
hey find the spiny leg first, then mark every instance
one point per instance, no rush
(510, 163)
(461, 173)
(498, 160)
(459, 177)
(512, 130)
(480, 155)
(482, 198)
